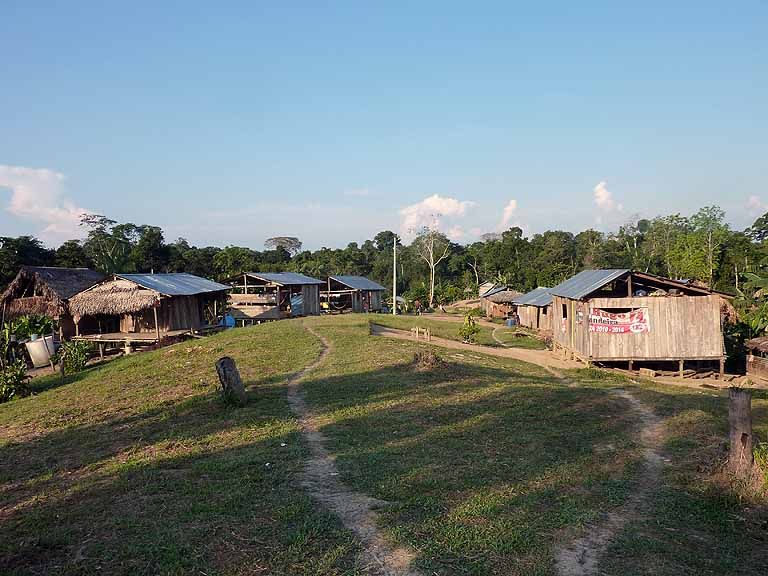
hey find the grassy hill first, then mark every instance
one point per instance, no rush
(487, 464)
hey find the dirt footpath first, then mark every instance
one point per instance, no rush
(543, 358)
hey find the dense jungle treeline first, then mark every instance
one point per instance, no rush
(701, 247)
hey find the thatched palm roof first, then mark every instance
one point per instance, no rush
(503, 297)
(45, 290)
(113, 298)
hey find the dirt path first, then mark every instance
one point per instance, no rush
(543, 358)
(581, 557)
(321, 479)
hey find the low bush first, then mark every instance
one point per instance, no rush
(14, 381)
(74, 355)
(469, 329)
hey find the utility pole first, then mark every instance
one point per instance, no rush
(394, 276)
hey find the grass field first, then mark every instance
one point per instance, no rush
(450, 330)
(137, 467)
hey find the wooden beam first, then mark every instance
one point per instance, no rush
(157, 325)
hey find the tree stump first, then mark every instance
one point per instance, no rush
(741, 458)
(231, 384)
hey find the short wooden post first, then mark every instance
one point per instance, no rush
(722, 367)
(101, 351)
(740, 459)
(231, 383)
(630, 365)
(682, 368)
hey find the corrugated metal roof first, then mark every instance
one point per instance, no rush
(285, 278)
(493, 290)
(175, 284)
(539, 297)
(586, 282)
(358, 282)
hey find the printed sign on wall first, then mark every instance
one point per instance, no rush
(633, 322)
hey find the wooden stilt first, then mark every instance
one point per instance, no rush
(157, 325)
(682, 368)
(722, 367)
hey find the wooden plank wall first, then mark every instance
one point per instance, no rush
(311, 295)
(537, 318)
(375, 300)
(682, 327)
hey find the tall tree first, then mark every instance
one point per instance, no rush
(289, 243)
(433, 247)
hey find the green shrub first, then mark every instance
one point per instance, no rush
(469, 329)
(26, 326)
(14, 381)
(74, 355)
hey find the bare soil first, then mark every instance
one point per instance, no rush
(321, 479)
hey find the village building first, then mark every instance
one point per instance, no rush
(498, 302)
(260, 296)
(624, 316)
(535, 309)
(757, 357)
(46, 291)
(485, 287)
(352, 294)
(139, 309)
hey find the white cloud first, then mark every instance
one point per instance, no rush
(455, 233)
(604, 198)
(507, 214)
(755, 206)
(37, 195)
(430, 212)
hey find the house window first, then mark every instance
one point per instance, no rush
(565, 310)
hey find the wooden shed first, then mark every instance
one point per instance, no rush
(46, 291)
(535, 309)
(258, 296)
(620, 315)
(757, 357)
(143, 308)
(498, 302)
(352, 294)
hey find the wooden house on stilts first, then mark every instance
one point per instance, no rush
(352, 294)
(623, 316)
(259, 296)
(144, 308)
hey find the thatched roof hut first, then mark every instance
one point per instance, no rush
(113, 298)
(144, 303)
(45, 290)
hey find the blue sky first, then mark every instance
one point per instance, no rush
(230, 123)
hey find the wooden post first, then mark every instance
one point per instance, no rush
(629, 286)
(630, 365)
(722, 367)
(157, 326)
(682, 368)
(231, 383)
(740, 459)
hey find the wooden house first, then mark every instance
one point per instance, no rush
(757, 357)
(46, 291)
(485, 287)
(535, 309)
(352, 294)
(258, 296)
(625, 316)
(498, 302)
(144, 308)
